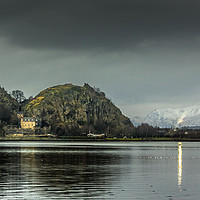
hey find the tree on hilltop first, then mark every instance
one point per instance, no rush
(18, 95)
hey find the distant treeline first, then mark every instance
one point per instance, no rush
(145, 130)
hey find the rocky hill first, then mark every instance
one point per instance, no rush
(73, 110)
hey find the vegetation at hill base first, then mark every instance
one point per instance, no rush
(8, 110)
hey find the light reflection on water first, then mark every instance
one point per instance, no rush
(135, 170)
(180, 165)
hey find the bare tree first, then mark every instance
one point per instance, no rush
(18, 95)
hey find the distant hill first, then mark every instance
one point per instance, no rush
(72, 110)
(137, 120)
(169, 117)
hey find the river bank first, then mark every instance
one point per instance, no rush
(49, 138)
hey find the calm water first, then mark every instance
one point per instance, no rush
(135, 170)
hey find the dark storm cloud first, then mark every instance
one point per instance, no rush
(96, 24)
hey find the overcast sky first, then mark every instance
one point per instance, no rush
(143, 54)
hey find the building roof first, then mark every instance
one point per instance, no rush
(30, 119)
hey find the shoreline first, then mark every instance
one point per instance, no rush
(38, 139)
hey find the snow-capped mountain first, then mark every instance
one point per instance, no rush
(171, 117)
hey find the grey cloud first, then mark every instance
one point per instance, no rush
(94, 24)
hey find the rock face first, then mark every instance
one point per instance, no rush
(73, 110)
